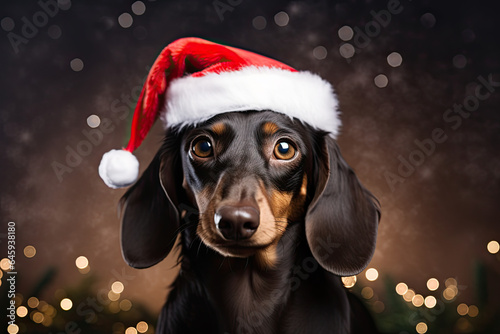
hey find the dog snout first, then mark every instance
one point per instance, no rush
(237, 222)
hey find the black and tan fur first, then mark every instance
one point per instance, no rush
(316, 222)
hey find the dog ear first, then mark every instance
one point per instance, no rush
(150, 219)
(342, 219)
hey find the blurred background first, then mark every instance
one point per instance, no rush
(419, 90)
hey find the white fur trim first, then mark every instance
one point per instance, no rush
(118, 168)
(302, 95)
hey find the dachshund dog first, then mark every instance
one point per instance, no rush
(269, 216)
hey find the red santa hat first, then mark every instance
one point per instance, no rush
(193, 80)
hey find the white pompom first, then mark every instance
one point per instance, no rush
(118, 168)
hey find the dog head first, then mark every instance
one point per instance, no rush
(249, 175)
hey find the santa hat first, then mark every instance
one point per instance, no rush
(193, 80)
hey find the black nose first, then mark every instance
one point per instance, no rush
(237, 222)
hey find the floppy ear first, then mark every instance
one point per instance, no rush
(342, 219)
(150, 219)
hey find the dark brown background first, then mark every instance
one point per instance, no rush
(436, 223)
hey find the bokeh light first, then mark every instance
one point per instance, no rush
(281, 19)
(459, 61)
(117, 287)
(347, 50)
(125, 20)
(367, 292)
(12, 329)
(430, 301)
(408, 296)
(29, 251)
(371, 274)
(142, 327)
(428, 20)
(394, 59)
(493, 247)
(37, 317)
(381, 81)
(401, 288)
(320, 52)
(349, 281)
(81, 262)
(66, 304)
(76, 64)
(421, 328)
(449, 293)
(54, 31)
(5, 264)
(450, 282)
(22, 311)
(259, 22)
(473, 311)
(33, 302)
(378, 306)
(417, 300)
(131, 330)
(125, 305)
(93, 121)
(432, 284)
(7, 24)
(462, 309)
(346, 33)
(113, 296)
(138, 8)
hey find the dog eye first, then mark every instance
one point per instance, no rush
(284, 150)
(202, 148)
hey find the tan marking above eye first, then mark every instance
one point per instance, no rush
(219, 128)
(269, 128)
